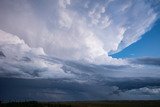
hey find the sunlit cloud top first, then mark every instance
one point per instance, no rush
(86, 30)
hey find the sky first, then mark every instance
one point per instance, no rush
(147, 46)
(72, 50)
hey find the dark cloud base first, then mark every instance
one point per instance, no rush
(88, 81)
(15, 89)
(147, 61)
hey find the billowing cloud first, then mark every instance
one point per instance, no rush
(22, 61)
(78, 30)
(13, 46)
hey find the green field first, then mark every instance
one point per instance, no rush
(84, 104)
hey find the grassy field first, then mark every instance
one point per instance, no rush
(84, 104)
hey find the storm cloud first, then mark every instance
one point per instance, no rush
(58, 50)
(70, 29)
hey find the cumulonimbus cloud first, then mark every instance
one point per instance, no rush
(61, 47)
(78, 30)
(17, 59)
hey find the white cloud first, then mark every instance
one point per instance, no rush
(65, 20)
(95, 14)
(64, 3)
(145, 90)
(11, 45)
(23, 61)
(150, 90)
(38, 51)
(105, 22)
(140, 20)
(5, 38)
(77, 30)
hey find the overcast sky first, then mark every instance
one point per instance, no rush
(87, 43)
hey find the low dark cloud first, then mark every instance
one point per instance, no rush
(42, 66)
(46, 78)
(2, 54)
(146, 61)
(66, 89)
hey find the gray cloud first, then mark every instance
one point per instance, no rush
(146, 91)
(2, 54)
(146, 61)
(68, 90)
(23, 61)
